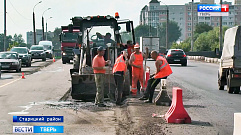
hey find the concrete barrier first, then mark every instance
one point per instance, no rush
(237, 124)
(205, 59)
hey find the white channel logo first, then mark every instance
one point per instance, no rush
(22, 129)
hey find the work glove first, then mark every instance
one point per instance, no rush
(108, 62)
(152, 76)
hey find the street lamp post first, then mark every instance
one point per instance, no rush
(43, 23)
(167, 23)
(5, 31)
(47, 27)
(220, 31)
(192, 42)
(34, 31)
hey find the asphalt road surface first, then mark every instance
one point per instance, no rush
(210, 109)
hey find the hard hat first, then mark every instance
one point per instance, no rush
(137, 46)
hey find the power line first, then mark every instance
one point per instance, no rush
(18, 12)
(16, 25)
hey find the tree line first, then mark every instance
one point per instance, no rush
(206, 38)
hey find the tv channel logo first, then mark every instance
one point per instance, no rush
(23, 129)
(213, 8)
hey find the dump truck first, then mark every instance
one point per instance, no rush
(89, 39)
(230, 63)
(68, 43)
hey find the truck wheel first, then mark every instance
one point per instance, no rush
(229, 88)
(236, 90)
(219, 83)
(63, 61)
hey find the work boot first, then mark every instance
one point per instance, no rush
(101, 105)
(147, 101)
(143, 98)
(111, 97)
(119, 103)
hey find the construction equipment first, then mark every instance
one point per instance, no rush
(230, 65)
(68, 41)
(89, 39)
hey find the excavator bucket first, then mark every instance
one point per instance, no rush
(84, 87)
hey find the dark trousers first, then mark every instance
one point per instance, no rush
(151, 86)
(119, 81)
(130, 73)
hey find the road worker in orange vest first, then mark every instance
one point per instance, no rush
(136, 61)
(119, 70)
(163, 70)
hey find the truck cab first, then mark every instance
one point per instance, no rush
(68, 43)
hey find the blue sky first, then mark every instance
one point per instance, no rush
(19, 12)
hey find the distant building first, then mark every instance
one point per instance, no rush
(207, 1)
(30, 36)
(155, 15)
(237, 2)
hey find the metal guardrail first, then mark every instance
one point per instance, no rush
(211, 54)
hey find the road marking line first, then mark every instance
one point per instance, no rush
(9, 83)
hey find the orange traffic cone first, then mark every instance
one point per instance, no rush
(23, 75)
(53, 59)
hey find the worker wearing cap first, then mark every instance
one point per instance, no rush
(99, 68)
(119, 70)
(136, 61)
(163, 70)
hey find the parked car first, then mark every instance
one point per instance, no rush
(176, 56)
(10, 61)
(24, 55)
(48, 46)
(38, 52)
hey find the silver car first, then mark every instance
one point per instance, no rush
(10, 61)
(38, 52)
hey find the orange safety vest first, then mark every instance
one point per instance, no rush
(138, 59)
(120, 64)
(165, 69)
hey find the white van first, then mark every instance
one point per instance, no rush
(48, 46)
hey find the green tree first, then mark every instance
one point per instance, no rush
(18, 38)
(185, 45)
(174, 33)
(9, 41)
(202, 43)
(14, 43)
(208, 41)
(55, 39)
(143, 31)
(200, 28)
